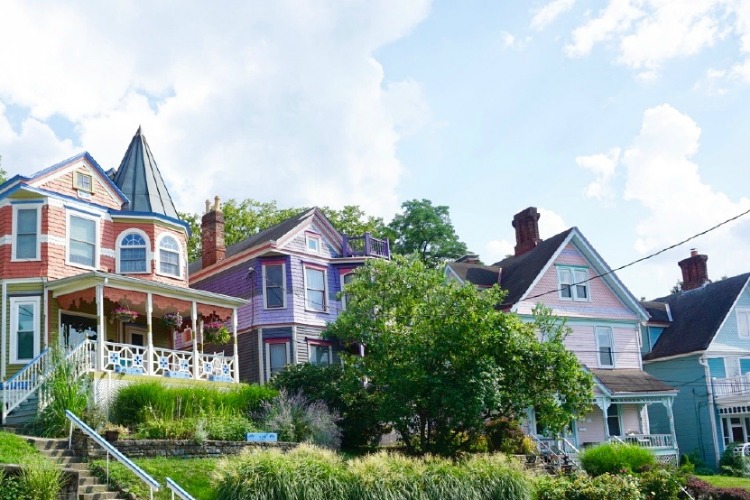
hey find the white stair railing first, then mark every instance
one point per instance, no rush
(178, 491)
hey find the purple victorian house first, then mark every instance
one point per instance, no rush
(291, 274)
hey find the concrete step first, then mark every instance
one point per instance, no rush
(98, 496)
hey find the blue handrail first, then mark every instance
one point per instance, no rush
(177, 490)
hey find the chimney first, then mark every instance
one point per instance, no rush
(694, 271)
(212, 234)
(469, 258)
(526, 223)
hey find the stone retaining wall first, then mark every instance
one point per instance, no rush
(185, 448)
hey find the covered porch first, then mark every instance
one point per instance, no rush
(144, 327)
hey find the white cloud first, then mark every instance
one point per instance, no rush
(272, 100)
(507, 40)
(550, 224)
(546, 15)
(603, 166)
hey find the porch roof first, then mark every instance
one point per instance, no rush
(93, 278)
(625, 382)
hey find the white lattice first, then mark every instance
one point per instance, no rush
(171, 362)
(125, 358)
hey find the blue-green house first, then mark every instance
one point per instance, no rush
(698, 341)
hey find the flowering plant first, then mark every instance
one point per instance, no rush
(172, 320)
(215, 331)
(123, 313)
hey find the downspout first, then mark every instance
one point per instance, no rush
(711, 406)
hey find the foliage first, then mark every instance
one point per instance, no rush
(443, 358)
(702, 490)
(311, 473)
(41, 479)
(11, 488)
(425, 230)
(65, 392)
(342, 391)
(14, 449)
(139, 402)
(582, 487)
(353, 221)
(505, 435)
(218, 427)
(297, 419)
(731, 464)
(660, 484)
(613, 458)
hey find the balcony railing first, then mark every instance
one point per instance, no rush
(366, 246)
(732, 386)
(646, 440)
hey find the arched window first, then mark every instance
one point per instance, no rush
(169, 256)
(133, 253)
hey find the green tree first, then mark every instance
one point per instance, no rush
(353, 221)
(426, 231)
(3, 173)
(444, 359)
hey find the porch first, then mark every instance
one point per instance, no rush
(365, 246)
(725, 388)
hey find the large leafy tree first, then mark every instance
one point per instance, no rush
(444, 358)
(3, 173)
(425, 230)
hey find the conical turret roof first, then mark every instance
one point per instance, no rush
(138, 177)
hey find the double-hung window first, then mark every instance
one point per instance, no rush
(169, 256)
(274, 294)
(345, 280)
(82, 241)
(24, 329)
(573, 283)
(743, 322)
(26, 228)
(277, 356)
(605, 346)
(132, 255)
(315, 289)
(320, 354)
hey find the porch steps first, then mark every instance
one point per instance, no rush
(89, 485)
(24, 413)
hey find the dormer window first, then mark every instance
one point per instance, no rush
(84, 182)
(573, 283)
(169, 256)
(132, 253)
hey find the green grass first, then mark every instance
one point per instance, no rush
(13, 449)
(192, 474)
(727, 481)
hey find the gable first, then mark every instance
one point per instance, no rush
(727, 339)
(298, 241)
(67, 178)
(602, 301)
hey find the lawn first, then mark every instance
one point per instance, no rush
(14, 448)
(192, 474)
(727, 481)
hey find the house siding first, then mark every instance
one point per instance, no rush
(727, 339)
(582, 341)
(30, 289)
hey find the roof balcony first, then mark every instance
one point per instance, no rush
(365, 246)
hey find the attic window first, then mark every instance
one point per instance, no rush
(313, 242)
(84, 182)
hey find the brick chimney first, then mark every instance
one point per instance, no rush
(526, 223)
(212, 234)
(694, 271)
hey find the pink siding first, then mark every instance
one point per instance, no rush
(582, 341)
(63, 184)
(590, 429)
(631, 422)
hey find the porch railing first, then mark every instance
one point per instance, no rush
(646, 440)
(732, 385)
(366, 246)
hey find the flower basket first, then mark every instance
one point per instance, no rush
(123, 313)
(172, 320)
(216, 333)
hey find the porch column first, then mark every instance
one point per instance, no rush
(196, 362)
(149, 333)
(100, 334)
(667, 402)
(236, 353)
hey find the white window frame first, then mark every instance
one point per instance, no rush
(598, 346)
(76, 181)
(118, 248)
(739, 364)
(325, 287)
(97, 243)
(342, 276)
(743, 313)
(180, 256)
(314, 345)
(15, 302)
(577, 275)
(309, 238)
(14, 232)
(283, 285)
(267, 349)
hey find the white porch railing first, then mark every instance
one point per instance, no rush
(646, 440)
(732, 385)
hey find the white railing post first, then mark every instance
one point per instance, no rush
(100, 334)
(236, 361)
(194, 365)
(150, 334)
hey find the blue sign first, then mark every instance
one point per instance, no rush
(261, 437)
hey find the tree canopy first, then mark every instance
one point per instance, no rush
(425, 230)
(444, 359)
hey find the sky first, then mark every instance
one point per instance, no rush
(625, 118)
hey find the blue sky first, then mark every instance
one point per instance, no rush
(625, 118)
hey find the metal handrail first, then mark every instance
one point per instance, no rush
(177, 490)
(153, 485)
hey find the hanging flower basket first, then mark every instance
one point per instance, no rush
(123, 313)
(216, 332)
(172, 320)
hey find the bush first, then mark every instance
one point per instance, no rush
(10, 487)
(40, 479)
(615, 458)
(701, 490)
(731, 464)
(137, 403)
(505, 435)
(660, 484)
(343, 392)
(582, 487)
(298, 420)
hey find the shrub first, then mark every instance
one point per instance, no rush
(505, 435)
(494, 476)
(383, 476)
(10, 487)
(615, 458)
(41, 479)
(343, 392)
(701, 490)
(660, 484)
(298, 420)
(136, 403)
(731, 464)
(582, 487)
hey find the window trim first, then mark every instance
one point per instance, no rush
(739, 364)
(742, 311)
(573, 290)
(316, 238)
(342, 275)
(618, 414)
(118, 248)
(319, 344)
(97, 243)
(14, 232)
(723, 364)
(322, 269)
(265, 282)
(78, 175)
(180, 257)
(14, 303)
(267, 343)
(598, 347)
